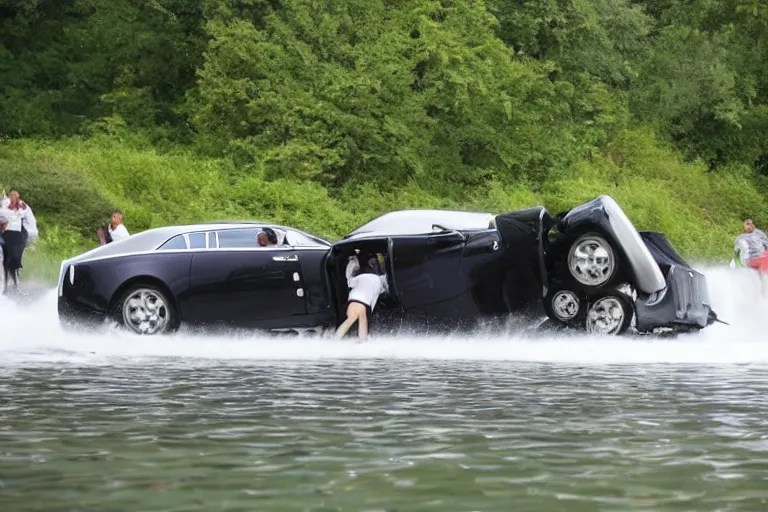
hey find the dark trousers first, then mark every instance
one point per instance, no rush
(13, 250)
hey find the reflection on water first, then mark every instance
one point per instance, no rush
(383, 435)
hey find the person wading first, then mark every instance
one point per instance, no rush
(114, 231)
(3, 222)
(366, 285)
(751, 247)
(20, 227)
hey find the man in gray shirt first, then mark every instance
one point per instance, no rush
(750, 245)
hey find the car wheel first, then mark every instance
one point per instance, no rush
(591, 261)
(562, 305)
(609, 314)
(146, 310)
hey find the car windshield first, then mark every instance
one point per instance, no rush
(416, 222)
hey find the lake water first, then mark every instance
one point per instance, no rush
(112, 422)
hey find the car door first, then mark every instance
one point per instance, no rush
(240, 283)
(426, 267)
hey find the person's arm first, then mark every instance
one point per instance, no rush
(384, 284)
(763, 239)
(30, 223)
(742, 249)
(352, 266)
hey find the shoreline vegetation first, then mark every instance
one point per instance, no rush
(325, 115)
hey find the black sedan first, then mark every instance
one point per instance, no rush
(588, 268)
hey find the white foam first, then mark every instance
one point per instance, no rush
(31, 333)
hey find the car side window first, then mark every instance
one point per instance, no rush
(238, 238)
(174, 243)
(197, 240)
(296, 239)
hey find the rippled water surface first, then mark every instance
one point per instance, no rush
(110, 422)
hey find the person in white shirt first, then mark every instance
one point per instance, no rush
(117, 230)
(366, 286)
(19, 228)
(3, 222)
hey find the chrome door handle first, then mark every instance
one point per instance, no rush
(293, 257)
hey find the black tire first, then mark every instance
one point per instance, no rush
(593, 276)
(564, 306)
(604, 304)
(155, 306)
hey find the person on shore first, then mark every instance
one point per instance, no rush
(116, 230)
(20, 227)
(3, 222)
(751, 247)
(366, 284)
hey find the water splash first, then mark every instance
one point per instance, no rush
(31, 333)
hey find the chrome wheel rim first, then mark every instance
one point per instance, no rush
(591, 261)
(565, 305)
(145, 312)
(606, 316)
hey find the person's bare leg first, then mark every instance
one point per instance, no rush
(352, 316)
(345, 327)
(362, 326)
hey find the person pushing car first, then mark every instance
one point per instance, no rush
(366, 285)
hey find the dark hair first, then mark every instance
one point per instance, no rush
(271, 235)
(365, 266)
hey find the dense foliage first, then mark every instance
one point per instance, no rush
(324, 114)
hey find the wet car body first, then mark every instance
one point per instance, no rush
(446, 270)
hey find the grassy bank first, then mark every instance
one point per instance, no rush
(72, 184)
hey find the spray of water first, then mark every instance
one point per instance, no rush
(31, 333)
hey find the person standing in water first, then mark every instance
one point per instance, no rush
(752, 250)
(752, 247)
(366, 285)
(20, 227)
(3, 222)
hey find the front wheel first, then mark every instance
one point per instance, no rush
(145, 309)
(609, 313)
(591, 261)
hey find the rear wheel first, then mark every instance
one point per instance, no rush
(609, 313)
(145, 309)
(562, 305)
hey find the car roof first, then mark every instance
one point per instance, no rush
(153, 238)
(417, 222)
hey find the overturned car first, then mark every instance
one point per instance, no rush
(588, 268)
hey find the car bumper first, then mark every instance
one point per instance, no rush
(683, 303)
(77, 314)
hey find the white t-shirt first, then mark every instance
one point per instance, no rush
(118, 233)
(365, 288)
(18, 218)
